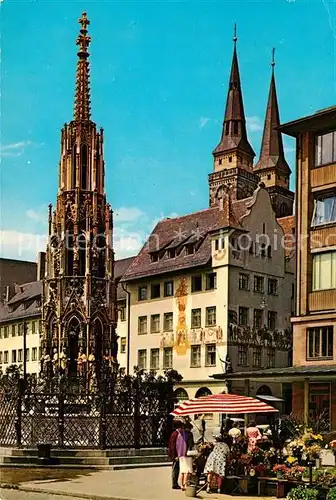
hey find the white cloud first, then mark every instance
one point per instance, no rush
(37, 216)
(254, 124)
(288, 150)
(203, 121)
(21, 245)
(14, 149)
(127, 214)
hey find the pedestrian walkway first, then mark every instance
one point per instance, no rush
(137, 484)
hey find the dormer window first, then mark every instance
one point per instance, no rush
(154, 256)
(190, 249)
(171, 253)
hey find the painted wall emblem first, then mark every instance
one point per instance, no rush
(181, 341)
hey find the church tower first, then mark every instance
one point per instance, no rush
(79, 312)
(272, 166)
(233, 157)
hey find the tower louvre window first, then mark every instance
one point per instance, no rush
(84, 157)
(74, 167)
(235, 127)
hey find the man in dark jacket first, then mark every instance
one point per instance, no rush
(172, 454)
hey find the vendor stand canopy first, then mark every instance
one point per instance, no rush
(230, 404)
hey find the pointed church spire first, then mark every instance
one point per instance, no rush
(272, 151)
(82, 93)
(234, 134)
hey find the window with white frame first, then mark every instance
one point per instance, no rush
(13, 330)
(324, 210)
(243, 281)
(210, 354)
(211, 281)
(168, 322)
(242, 355)
(210, 316)
(195, 356)
(20, 356)
(243, 316)
(1, 357)
(142, 292)
(324, 271)
(167, 358)
(6, 357)
(14, 356)
(34, 354)
(122, 345)
(320, 342)
(142, 359)
(258, 318)
(142, 325)
(196, 319)
(259, 284)
(272, 286)
(257, 352)
(155, 359)
(272, 320)
(325, 149)
(155, 323)
(271, 357)
(168, 288)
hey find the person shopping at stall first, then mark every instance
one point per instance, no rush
(253, 436)
(180, 443)
(216, 462)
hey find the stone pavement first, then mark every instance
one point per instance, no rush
(136, 484)
(20, 495)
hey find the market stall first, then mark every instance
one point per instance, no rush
(277, 465)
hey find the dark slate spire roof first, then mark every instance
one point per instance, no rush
(272, 151)
(232, 137)
(82, 93)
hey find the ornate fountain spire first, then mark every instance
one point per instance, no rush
(82, 93)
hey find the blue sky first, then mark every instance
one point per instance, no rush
(159, 75)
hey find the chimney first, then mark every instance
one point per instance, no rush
(41, 260)
(9, 293)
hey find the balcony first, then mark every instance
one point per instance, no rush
(322, 176)
(323, 300)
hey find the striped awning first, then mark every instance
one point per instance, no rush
(230, 404)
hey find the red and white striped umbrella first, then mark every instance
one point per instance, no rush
(222, 403)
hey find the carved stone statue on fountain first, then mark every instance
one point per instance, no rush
(55, 362)
(63, 362)
(46, 369)
(91, 369)
(82, 362)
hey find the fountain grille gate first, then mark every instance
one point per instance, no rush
(127, 413)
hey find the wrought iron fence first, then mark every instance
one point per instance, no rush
(132, 412)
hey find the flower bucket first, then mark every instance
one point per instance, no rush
(190, 491)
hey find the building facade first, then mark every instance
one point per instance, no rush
(314, 324)
(213, 290)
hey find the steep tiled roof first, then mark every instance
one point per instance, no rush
(121, 266)
(26, 291)
(200, 224)
(25, 302)
(288, 226)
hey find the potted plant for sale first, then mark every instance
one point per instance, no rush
(302, 493)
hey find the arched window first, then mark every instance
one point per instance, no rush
(264, 390)
(84, 157)
(283, 210)
(98, 331)
(73, 166)
(203, 391)
(81, 241)
(74, 342)
(181, 395)
(69, 252)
